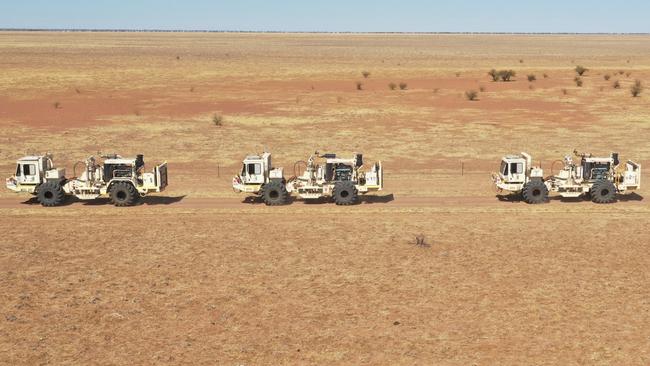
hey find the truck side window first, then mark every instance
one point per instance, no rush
(254, 169)
(517, 168)
(504, 169)
(18, 170)
(29, 169)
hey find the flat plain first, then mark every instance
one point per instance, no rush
(198, 276)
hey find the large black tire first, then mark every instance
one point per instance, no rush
(603, 191)
(123, 194)
(345, 193)
(274, 193)
(51, 194)
(535, 192)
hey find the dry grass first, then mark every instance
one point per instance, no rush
(165, 284)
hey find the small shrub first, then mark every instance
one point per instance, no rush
(581, 70)
(531, 87)
(616, 85)
(507, 75)
(365, 74)
(565, 92)
(545, 76)
(607, 77)
(627, 74)
(481, 89)
(339, 99)
(57, 105)
(457, 74)
(359, 85)
(136, 112)
(578, 81)
(436, 90)
(77, 90)
(403, 86)
(192, 90)
(531, 77)
(494, 74)
(621, 72)
(636, 89)
(178, 57)
(392, 86)
(421, 241)
(217, 119)
(521, 61)
(471, 95)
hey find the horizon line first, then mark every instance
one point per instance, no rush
(134, 30)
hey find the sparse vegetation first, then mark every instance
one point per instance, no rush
(458, 74)
(580, 70)
(365, 74)
(57, 105)
(616, 85)
(627, 74)
(436, 90)
(607, 77)
(494, 74)
(421, 241)
(77, 90)
(636, 89)
(565, 92)
(359, 85)
(192, 90)
(403, 86)
(545, 76)
(217, 119)
(578, 81)
(521, 61)
(392, 86)
(507, 75)
(621, 72)
(471, 95)
(481, 88)
(531, 77)
(504, 75)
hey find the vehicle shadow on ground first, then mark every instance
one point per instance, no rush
(377, 199)
(255, 200)
(149, 201)
(160, 200)
(513, 198)
(34, 202)
(630, 197)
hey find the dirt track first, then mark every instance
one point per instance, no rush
(388, 201)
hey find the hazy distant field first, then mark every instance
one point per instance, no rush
(199, 277)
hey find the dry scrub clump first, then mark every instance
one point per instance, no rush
(359, 85)
(217, 119)
(392, 86)
(531, 77)
(578, 81)
(636, 89)
(471, 95)
(403, 86)
(607, 77)
(617, 85)
(503, 75)
(581, 70)
(421, 241)
(365, 74)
